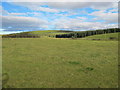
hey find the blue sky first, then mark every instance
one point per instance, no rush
(30, 16)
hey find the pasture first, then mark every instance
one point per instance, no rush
(61, 63)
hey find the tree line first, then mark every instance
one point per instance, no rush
(81, 34)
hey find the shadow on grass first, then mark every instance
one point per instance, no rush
(87, 69)
(73, 62)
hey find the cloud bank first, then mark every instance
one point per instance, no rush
(59, 15)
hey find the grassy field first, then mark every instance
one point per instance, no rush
(61, 63)
(48, 33)
(103, 36)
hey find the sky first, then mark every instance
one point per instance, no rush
(75, 16)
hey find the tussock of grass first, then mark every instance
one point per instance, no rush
(73, 62)
(89, 68)
(85, 70)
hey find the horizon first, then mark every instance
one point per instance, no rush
(15, 32)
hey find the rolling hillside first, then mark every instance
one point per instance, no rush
(109, 36)
(36, 34)
(67, 34)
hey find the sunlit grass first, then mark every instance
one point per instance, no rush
(60, 63)
(104, 36)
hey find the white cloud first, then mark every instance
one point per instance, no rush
(30, 23)
(76, 24)
(74, 5)
(4, 12)
(61, 0)
(22, 22)
(62, 22)
(36, 6)
(47, 9)
(17, 14)
(104, 5)
(109, 17)
(114, 10)
(68, 5)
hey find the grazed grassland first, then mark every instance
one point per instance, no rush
(60, 63)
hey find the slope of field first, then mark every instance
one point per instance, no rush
(36, 34)
(48, 33)
(109, 36)
(82, 34)
(68, 34)
(60, 63)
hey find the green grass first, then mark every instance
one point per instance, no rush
(104, 36)
(41, 34)
(47, 33)
(60, 63)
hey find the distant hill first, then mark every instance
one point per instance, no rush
(61, 33)
(82, 34)
(36, 34)
(109, 36)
